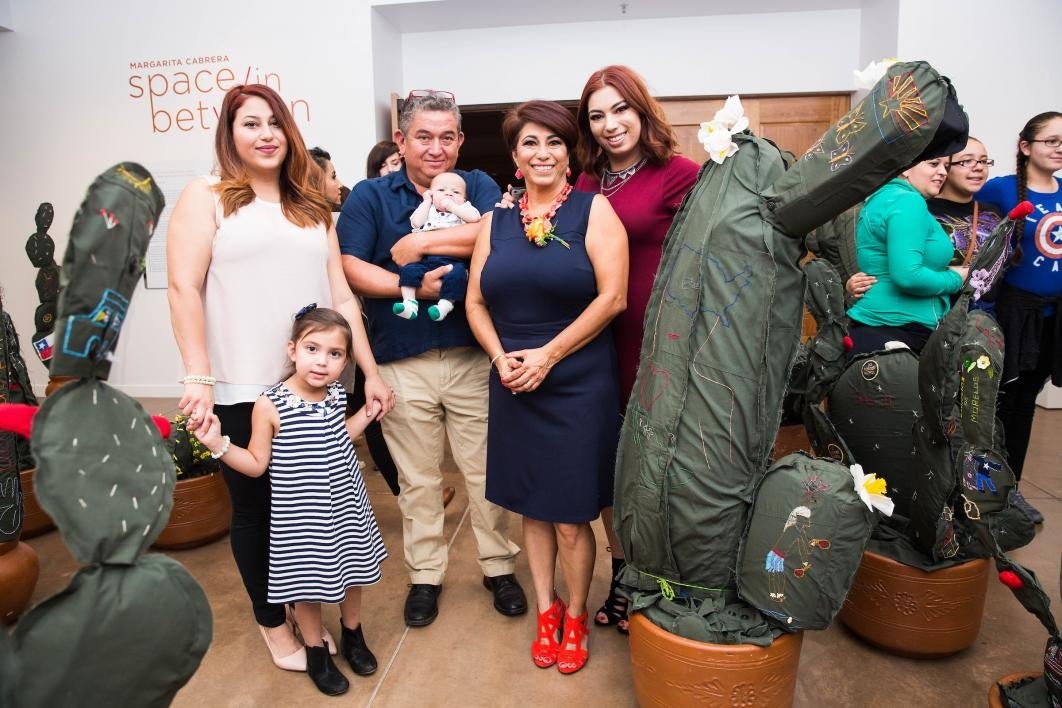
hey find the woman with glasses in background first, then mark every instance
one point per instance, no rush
(1031, 291)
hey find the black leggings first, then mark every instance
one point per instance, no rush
(249, 534)
(373, 434)
(1017, 400)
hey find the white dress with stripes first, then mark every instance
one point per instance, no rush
(323, 536)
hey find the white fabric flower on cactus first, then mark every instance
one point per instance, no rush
(871, 489)
(716, 135)
(873, 72)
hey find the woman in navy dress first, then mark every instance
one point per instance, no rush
(546, 281)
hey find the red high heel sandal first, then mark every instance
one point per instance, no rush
(570, 660)
(545, 647)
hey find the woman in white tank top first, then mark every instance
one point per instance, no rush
(246, 250)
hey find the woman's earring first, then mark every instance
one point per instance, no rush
(519, 174)
(567, 171)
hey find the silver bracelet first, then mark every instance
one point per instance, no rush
(224, 448)
(198, 379)
(496, 358)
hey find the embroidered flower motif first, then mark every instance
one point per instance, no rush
(872, 73)
(716, 135)
(871, 489)
(979, 281)
(983, 362)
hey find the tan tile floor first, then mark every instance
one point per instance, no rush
(472, 656)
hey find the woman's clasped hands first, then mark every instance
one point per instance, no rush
(524, 371)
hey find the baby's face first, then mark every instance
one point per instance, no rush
(448, 186)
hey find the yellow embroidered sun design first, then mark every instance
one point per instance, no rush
(903, 102)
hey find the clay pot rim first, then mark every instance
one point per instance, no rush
(750, 649)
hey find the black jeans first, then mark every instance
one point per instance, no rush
(1017, 399)
(869, 338)
(249, 534)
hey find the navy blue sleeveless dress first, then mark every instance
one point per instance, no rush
(551, 453)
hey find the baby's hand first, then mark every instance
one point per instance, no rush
(428, 196)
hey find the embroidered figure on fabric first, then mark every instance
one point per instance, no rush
(903, 102)
(813, 485)
(850, 124)
(977, 474)
(841, 156)
(794, 538)
(653, 387)
(144, 185)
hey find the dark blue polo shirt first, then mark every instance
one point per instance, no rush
(375, 215)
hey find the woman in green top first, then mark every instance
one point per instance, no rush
(901, 245)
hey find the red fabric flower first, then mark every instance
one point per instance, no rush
(1022, 210)
(848, 343)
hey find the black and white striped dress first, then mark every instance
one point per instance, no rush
(323, 536)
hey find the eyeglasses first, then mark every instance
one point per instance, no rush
(431, 93)
(966, 164)
(1049, 142)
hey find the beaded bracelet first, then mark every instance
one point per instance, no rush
(224, 448)
(195, 379)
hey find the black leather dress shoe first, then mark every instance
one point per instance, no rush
(422, 604)
(509, 597)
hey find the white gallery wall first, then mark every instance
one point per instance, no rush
(71, 72)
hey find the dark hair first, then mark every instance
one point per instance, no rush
(301, 202)
(378, 156)
(1021, 173)
(430, 102)
(320, 319)
(657, 141)
(320, 156)
(550, 115)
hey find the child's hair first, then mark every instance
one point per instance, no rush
(1021, 172)
(319, 319)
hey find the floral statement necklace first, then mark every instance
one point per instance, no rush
(540, 229)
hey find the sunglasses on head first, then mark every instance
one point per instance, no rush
(431, 93)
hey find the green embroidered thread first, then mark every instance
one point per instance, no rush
(666, 588)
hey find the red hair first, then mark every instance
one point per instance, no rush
(657, 142)
(301, 199)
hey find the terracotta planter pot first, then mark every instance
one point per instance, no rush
(34, 520)
(670, 670)
(19, 570)
(913, 613)
(994, 699)
(201, 513)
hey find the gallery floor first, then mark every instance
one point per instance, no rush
(472, 656)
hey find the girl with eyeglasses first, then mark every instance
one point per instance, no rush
(967, 221)
(1029, 297)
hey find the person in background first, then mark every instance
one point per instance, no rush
(901, 245)
(331, 187)
(438, 369)
(246, 248)
(546, 281)
(383, 159)
(628, 152)
(1029, 297)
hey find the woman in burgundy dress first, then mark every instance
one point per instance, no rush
(628, 154)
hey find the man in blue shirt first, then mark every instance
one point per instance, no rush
(438, 371)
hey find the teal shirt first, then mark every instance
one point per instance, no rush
(900, 243)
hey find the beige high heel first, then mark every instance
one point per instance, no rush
(325, 636)
(296, 661)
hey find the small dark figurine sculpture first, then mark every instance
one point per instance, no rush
(130, 629)
(41, 251)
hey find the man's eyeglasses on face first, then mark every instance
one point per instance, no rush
(431, 93)
(967, 164)
(1049, 142)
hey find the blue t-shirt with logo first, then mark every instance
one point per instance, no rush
(1040, 269)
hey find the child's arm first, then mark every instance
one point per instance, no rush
(254, 459)
(357, 423)
(420, 214)
(466, 212)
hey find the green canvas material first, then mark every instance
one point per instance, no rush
(721, 334)
(822, 357)
(834, 242)
(878, 138)
(809, 519)
(116, 636)
(101, 267)
(104, 474)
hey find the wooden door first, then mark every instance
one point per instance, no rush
(792, 122)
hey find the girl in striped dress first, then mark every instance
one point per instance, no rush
(324, 544)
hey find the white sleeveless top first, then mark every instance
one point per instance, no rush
(263, 269)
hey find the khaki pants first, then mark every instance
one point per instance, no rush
(443, 391)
